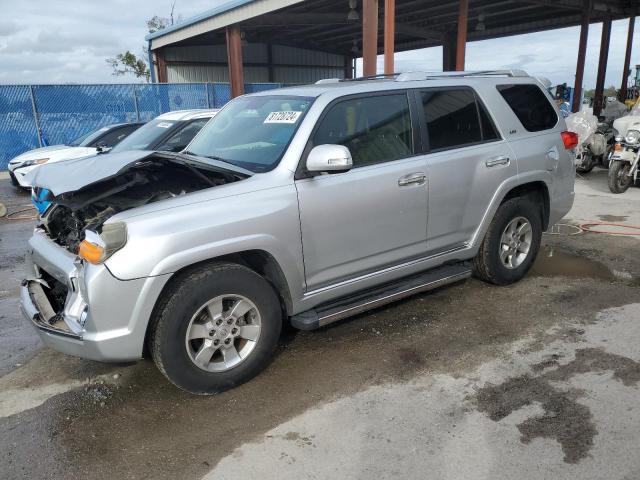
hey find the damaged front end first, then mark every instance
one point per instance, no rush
(68, 217)
(68, 294)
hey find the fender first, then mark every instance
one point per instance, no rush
(500, 194)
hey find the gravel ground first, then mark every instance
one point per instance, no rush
(535, 380)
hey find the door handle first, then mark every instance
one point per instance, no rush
(495, 161)
(418, 178)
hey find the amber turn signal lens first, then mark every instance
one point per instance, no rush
(90, 252)
(617, 148)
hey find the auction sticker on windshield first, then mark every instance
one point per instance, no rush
(283, 117)
(164, 124)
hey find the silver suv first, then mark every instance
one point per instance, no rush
(303, 205)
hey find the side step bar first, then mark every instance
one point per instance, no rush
(378, 296)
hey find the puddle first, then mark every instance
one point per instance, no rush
(552, 262)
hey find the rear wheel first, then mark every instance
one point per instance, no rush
(217, 328)
(588, 163)
(511, 243)
(619, 180)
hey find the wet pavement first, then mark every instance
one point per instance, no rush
(535, 380)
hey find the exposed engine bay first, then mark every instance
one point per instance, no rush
(145, 182)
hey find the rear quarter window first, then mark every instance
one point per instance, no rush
(531, 106)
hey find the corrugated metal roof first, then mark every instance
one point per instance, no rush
(225, 7)
(229, 13)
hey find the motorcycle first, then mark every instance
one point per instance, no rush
(595, 141)
(623, 168)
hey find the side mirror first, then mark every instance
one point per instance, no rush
(329, 158)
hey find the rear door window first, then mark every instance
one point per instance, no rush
(452, 118)
(375, 129)
(531, 106)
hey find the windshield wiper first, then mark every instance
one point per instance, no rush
(211, 157)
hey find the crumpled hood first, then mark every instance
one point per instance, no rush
(73, 175)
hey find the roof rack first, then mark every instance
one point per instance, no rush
(413, 76)
(416, 76)
(381, 76)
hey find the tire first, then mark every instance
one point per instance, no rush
(182, 309)
(488, 264)
(618, 181)
(14, 180)
(588, 165)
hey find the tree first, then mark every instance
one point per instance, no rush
(129, 63)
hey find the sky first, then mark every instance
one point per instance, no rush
(65, 41)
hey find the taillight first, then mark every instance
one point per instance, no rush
(570, 140)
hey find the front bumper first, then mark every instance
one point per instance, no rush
(103, 318)
(19, 174)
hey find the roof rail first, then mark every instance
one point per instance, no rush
(381, 76)
(414, 76)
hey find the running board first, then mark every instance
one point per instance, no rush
(378, 296)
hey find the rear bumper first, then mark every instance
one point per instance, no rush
(103, 318)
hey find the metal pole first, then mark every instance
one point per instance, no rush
(36, 116)
(234, 58)
(135, 102)
(582, 51)
(627, 60)
(369, 37)
(461, 41)
(389, 35)
(598, 100)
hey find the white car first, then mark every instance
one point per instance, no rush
(88, 144)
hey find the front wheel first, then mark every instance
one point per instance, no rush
(619, 179)
(511, 243)
(216, 327)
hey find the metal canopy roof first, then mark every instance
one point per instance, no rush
(323, 25)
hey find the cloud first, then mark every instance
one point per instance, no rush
(68, 41)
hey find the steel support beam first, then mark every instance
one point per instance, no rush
(234, 58)
(582, 52)
(369, 37)
(389, 35)
(627, 60)
(598, 100)
(461, 40)
(449, 52)
(162, 66)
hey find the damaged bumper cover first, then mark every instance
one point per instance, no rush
(100, 317)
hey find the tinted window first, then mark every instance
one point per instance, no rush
(179, 140)
(531, 106)
(452, 118)
(375, 129)
(115, 136)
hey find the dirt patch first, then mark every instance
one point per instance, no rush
(564, 419)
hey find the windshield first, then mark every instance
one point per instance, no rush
(146, 135)
(88, 138)
(252, 132)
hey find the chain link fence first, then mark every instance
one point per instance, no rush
(33, 116)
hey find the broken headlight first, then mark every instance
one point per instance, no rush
(96, 248)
